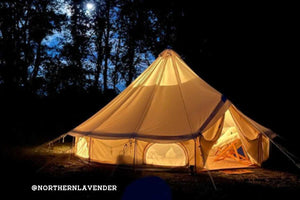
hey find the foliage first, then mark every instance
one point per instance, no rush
(48, 46)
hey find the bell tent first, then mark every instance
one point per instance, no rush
(170, 117)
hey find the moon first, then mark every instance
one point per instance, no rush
(90, 6)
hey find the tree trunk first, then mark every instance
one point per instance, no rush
(98, 68)
(37, 61)
(131, 67)
(106, 47)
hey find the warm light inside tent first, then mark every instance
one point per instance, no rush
(227, 137)
(229, 132)
(171, 117)
(165, 155)
(82, 149)
(169, 71)
(228, 151)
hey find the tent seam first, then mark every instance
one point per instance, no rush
(133, 135)
(181, 94)
(148, 105)
(210, 117)
(138, 91)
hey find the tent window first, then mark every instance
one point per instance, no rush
(166, 155)
(82, 148)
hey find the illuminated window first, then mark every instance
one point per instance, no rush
(166, 155)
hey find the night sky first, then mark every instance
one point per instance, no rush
(252, 58)
(249, 52)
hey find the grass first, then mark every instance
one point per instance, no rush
(24, 167)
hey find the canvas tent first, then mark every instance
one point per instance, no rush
(170, 117)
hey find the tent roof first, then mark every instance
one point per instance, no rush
(168, 101)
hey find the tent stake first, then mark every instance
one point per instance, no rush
(53, 141)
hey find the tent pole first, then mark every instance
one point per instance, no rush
(195, 155)
(260, 148)
(90, 149)
(134, 153)
(208, 171)
(72, 147)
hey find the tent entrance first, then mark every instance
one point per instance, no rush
(172, 155)
(228, 151)
(82, 149)
(233, 150)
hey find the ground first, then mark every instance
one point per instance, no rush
(29, 166)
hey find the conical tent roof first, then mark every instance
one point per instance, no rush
(168, 101)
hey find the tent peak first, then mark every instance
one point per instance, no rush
(168, 52)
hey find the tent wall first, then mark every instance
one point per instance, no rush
(191, 147)
(112, 151)
(167, 101)
(128, 151)
(252, 136)
(209, 138)
(132, 151)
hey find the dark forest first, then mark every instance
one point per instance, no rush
(61, 60)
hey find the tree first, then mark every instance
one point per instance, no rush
(99, 29)
(24, 25)
(43, 22)
(101, 48)
(75, 52)
(143, 30)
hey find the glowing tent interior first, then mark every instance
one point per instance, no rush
(170, 117)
